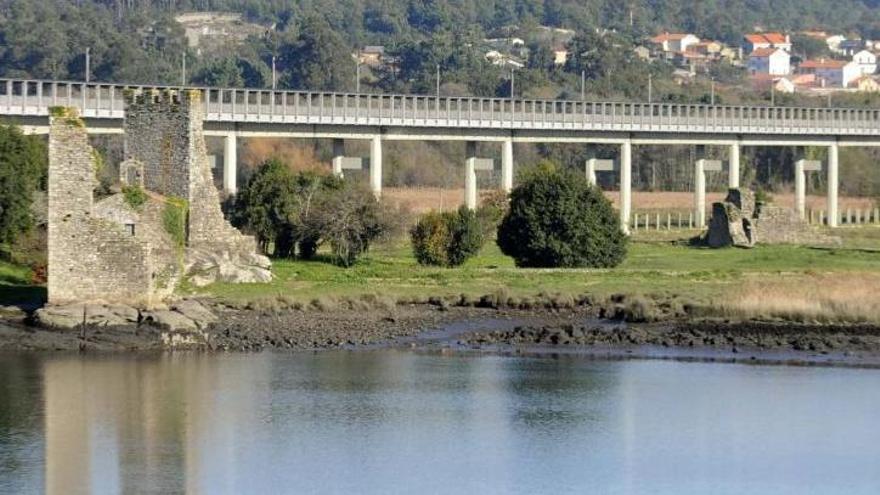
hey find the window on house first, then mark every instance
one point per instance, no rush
(129, 227)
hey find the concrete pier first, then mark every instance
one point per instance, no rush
(230, 163)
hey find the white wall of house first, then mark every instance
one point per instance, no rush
(777, 63)
(866, 61)
(681, 45)
(838, 77)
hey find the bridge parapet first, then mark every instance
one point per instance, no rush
(33, 98)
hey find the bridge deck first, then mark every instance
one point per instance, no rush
(34, 98)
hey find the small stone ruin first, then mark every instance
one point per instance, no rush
(741, 221)
(165, 225)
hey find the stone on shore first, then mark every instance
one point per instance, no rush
(73, 315)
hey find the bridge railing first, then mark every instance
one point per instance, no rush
(29, 97)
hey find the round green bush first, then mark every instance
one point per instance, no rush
(446, 239)
(558, 219)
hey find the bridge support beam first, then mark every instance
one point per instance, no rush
(230, 163)
(470, 175)
(700, 193)
(700, 168)
(376, 165)
(507, 165)
(625, 185)
(338, 155)
(733, 166)
(833, 215)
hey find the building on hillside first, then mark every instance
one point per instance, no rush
(560, 55)
(849, 48)
(831, 73)
(866, 84)
(758, 41)
(772, 61)
(371, 55)
(503, 60)
(674, 42)
(707, 47)
(642, 53)
(866, 61)
(213, 32)
(780, 84)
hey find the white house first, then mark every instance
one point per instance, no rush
(758, 41)
(832, 73)
(772, 61)
(674, 42)
(866, 61)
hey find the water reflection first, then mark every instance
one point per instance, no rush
(400, 422)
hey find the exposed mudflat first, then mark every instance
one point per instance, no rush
(469, 329)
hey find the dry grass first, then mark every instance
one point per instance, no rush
(825, 298)
(426, 198)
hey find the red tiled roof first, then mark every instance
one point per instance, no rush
(660, 38)
(769, 38)
(764, 52)
(823, 64)
(775, 38)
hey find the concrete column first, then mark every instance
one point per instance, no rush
(833, 184)
(625, 185)
(338, 154)
(507, 165)
(800, 188)
(376, 165)
(733, 167)
(470, 175)
(700, 193)
(591, 171)
(230, 163)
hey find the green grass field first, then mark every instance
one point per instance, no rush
(657, 264)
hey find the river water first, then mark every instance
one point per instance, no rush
(393, 421)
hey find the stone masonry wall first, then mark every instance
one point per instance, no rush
(89, 258)
(158, 134)
(166, 129)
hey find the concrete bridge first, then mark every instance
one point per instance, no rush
(233, 113)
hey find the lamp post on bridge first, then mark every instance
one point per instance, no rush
(88, 64)
(438, 80)
(274, 74)
(511, 82)
(650, 88)
(183, 70)
(583, 85)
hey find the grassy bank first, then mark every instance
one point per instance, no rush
(731, 280)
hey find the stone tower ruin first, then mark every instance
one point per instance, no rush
(117, 250)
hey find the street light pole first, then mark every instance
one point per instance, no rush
(88, 64)
(357, 81)
(650, 88)
(274, 74)
(713, 92)
(438, 80)
(511, 82)
(583, 85)
(183, 70)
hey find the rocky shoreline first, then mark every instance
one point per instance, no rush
(214, 326)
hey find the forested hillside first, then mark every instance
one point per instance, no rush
(139, 41)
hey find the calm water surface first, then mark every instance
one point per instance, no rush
(393, 421)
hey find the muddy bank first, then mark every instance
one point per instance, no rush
(704, 340)
(580, 329)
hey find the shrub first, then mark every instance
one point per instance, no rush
(446, 239)
(430, 236)
(557, 219)
(492, 209)
(134, 197)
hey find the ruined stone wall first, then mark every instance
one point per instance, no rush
(158, 133)
(164, 132)
(89, 258)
